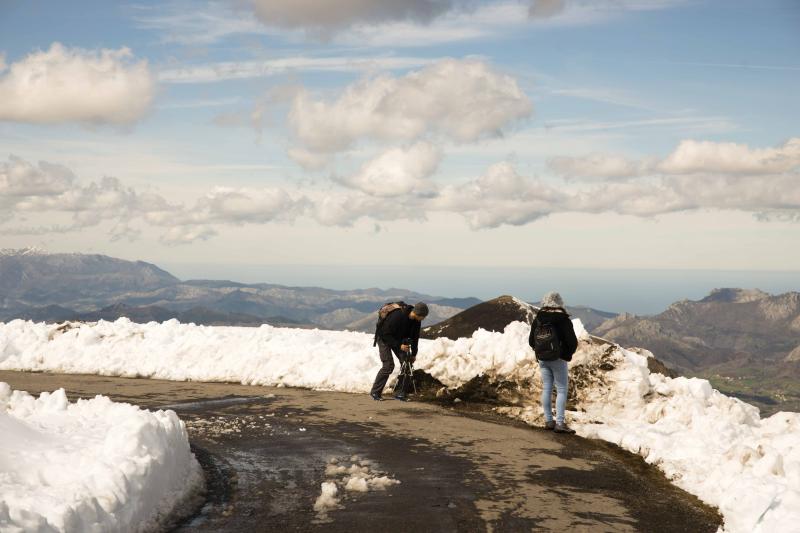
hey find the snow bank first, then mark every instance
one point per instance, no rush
(92, 465)
(328, 360)
(709, 444)
(256, 356)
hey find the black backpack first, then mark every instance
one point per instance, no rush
(383, 312)
(546, 343)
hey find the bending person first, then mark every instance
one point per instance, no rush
(398, 333)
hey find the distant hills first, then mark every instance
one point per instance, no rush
(40, 286)
(54, 287)
(743, 340)
(725, 328)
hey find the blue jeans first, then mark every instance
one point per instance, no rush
(554, 371)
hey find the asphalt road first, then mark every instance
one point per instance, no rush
(265, 453)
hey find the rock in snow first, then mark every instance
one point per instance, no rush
(711, 445)
(92, 465)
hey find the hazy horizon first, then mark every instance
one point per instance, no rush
(639, 291)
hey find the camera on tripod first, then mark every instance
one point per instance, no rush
(405, 380)
(408, 342)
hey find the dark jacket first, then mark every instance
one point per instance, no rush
(398, 327)
(566, 333)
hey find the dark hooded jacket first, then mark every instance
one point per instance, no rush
(566, 333)
(398, 327)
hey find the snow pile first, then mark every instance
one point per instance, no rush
(360, 476)
(327, 499)
(92, 465)
(709, 444)
(332, 360)
(267, 355)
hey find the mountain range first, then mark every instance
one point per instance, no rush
(745, 341)
(39, 286)
(55, 287)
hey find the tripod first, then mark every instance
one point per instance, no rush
(406, 375)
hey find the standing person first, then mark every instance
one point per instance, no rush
(553, 340)
(398, 332)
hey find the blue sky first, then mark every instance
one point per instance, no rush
(601, 135)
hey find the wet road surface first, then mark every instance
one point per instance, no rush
(265, 452)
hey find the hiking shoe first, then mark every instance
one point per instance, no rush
(563, 428)
(550, 424)
(401, 397)
(376, 397)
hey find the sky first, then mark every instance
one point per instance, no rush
(255, 136)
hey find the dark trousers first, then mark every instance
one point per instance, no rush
(386, 370)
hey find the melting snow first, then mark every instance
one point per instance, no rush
(360, 476)
(92, 465)
(712, 445)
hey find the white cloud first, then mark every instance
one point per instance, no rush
(397, 184)
(690, 157)
(500, 196)
(601, 166)
(458, 99)
(336, 209)
(696, 175)
(644, 199)
(88, 205)
(75, 85)
(397, 172)
(693, 157)
(19, 178)
(247, 205)
(50, 191)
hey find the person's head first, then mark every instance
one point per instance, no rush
(552, 299)
(419, 312)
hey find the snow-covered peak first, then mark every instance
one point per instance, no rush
(525, 306)
(30, 250)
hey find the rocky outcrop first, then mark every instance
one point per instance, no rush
(493, 315)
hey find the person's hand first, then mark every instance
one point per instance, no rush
(405, 347)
